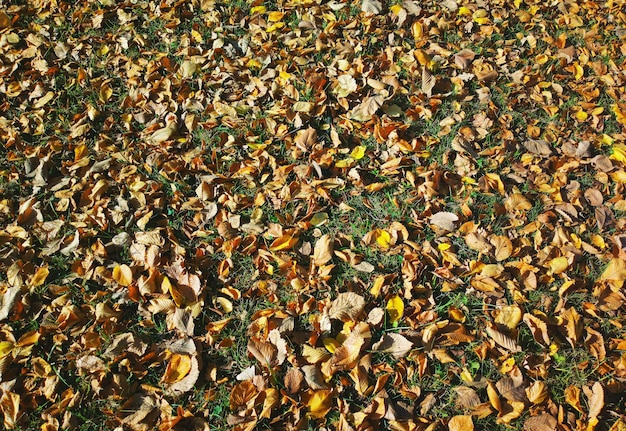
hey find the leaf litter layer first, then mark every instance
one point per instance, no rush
(305, 214)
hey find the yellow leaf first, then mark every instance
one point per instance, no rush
(383, 239)
(275, 16)
(423, 58)
(378, 284)
(507, 365)
(178, 367)
(418, 30)
(581, 116)
(395, 308)
(464, 11)
(40, 276)
(619, 114)
(6, 347)
(167, 286)
(578, 71)
(123, 274)
(105, 93)
(258, 9)
(558, 265)
(345, 163)
(253, 64)
(618, 153)
(275, 26)
(616, 271)
(319, 403)
(396, 8)
(331, 344)
(358, 152)
(285, 242)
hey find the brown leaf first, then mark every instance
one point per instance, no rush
(305, 139)
(538, 147)
(428, 82)
(543, 422)
(502, 340)
(293, 380)
(241, 394)
(264, 352)
(572, 325)
(538, 327)
(466, 397)
(463, 58)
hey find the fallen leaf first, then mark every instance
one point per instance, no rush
(445, 220)
(395, 309)
(395, 344)
(323, 250)
(347, 307)
(123, 274)
(461, 423)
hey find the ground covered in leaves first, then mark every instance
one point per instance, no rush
(305, 214)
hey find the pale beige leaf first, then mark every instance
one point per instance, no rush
(347, 306)
(395, 344)
(596, 401)
(371, 6)
(323, 250)
(364, 267)
(445, 220)
(503, 247)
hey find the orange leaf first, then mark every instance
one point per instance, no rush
(285, 242)
(461, 423)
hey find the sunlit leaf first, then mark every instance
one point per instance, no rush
(123, 274)
(395, 309)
